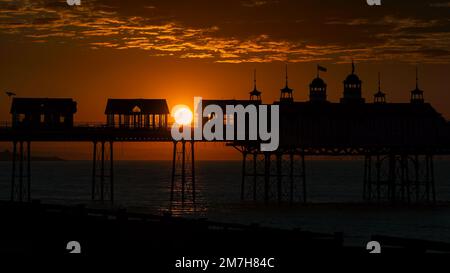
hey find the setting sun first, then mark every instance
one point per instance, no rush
(182, 114)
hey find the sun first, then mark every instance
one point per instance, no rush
(182, 114)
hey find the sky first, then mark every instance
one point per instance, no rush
(178, 49)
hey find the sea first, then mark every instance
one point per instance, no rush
(334, 188)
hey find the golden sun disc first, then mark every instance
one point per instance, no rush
(182, 114)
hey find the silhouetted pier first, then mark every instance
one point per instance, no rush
(397, 140)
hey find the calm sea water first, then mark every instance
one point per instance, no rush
(334, 190)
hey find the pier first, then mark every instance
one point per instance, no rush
(398, 142)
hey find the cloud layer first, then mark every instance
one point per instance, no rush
(240, 31)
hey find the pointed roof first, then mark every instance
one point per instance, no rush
(417, 90)
(255, 91)
(379, 93)
(286, 89)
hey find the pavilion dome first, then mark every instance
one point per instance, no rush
(318, 82)
(352, 78)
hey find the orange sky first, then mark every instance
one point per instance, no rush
(181, 49)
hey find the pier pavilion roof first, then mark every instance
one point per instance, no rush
(130, 106)
(43, 105)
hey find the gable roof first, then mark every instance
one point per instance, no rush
(129, 106)
(43, 105)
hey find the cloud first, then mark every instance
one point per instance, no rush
(197, 55)
(293, 33)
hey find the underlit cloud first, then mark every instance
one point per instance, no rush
(98, 24)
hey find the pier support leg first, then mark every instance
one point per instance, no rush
(29, 171)
(193, 171)
(249, 182)
(111, 171)
(94, 169)
(20, 188)
(255, 175)
(102, 172)
(266, 177)
(400, 177)
(378, 179)
(291, 178)
(392, 178)
(13, 177)
(183, 172)
(368, 190)
(432, 181)
(174, 160)
(21, 191)
(244, 160)
(303, 177)
(281, 176)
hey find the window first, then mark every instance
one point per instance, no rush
(163, 121)
(157, 125)
(62, 119)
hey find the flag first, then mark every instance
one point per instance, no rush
(321, 68)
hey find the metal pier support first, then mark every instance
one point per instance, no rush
(183, 182)
(20, 181)
(280, 176)
(399, 178)
(103, 171)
